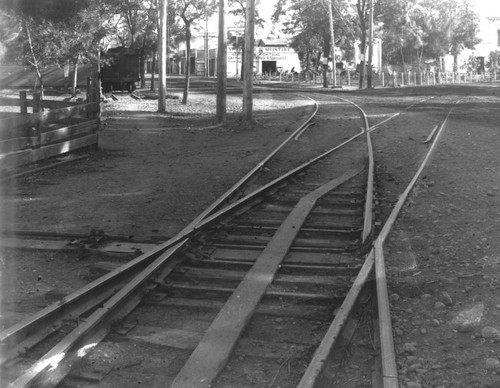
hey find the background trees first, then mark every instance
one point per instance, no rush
(413, 32)
(419, 30)
(307, 23)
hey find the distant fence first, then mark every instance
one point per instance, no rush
(54, 128)
(381, 79)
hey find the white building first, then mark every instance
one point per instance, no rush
(270, 56)
(489, 33)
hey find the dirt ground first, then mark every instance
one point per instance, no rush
(154, 173)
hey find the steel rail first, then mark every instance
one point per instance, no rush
(388, 356)
(315, 369)
(97, 291)
(375, 259)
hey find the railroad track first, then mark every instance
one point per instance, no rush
(254, 292)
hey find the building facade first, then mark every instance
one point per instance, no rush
(489, 33)
(270, 56)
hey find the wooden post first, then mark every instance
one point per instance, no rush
(89, 87)
(23, 102)
(38, 125)
(348, 78)
(36, 102)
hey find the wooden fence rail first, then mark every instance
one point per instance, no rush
(59, 128)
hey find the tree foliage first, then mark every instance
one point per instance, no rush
(307, 23)
(190, 11)
(419, 30)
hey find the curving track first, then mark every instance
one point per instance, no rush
(254, 292)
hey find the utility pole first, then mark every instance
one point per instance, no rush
(332, 34)
(248, 61)
(220, 113)
(370, 52)
(162, 57)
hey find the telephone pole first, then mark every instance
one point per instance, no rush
(162, 57)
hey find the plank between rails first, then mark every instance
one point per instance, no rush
(214, 350)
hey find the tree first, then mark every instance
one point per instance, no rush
(189, 11)
(417, 30)
(308, 24)
(54, 31)
(362, 10)
(239, 10)
(493, 62)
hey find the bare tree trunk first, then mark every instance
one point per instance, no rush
(325, 73)
(242, 70)
(142, 68)
(221, 64)
(35, 62)
(188, 62)
(248, 76)
(362, 65)
(153, 71)
(162, 40)
(75, 78)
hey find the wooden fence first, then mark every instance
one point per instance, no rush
(54, 128)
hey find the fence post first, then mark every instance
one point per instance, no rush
(38, 121)
(23, 102)
(383, 78)
(36, 102)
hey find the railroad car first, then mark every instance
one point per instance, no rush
(120, 69)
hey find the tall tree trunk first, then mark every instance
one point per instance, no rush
(362, 64)
(188, 62)
(242, 66)
(249, 61)
(221, 64)
(162, 57)
(325, 73)
(142, 68)
(153, 71)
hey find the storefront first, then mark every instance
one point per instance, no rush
(270, 56)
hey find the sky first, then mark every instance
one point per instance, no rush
(266, 9)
